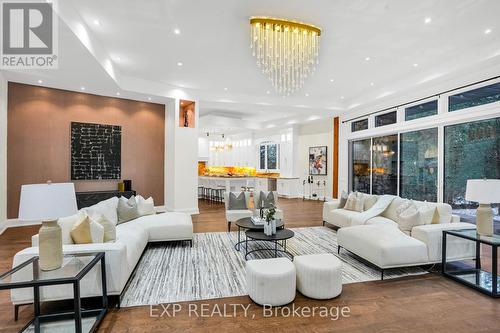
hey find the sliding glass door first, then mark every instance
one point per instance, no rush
(471, 151)
(385, 165)
(418, 165)
(360, 165)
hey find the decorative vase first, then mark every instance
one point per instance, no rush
(50, 246)
(273, 227)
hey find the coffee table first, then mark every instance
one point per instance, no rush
(281, 235)
(246, 223)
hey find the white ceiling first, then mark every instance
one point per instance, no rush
(213, 45)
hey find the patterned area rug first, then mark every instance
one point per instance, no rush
(212, 268)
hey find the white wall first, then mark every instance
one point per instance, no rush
(3, 151)
(318, 133)
(181, 162)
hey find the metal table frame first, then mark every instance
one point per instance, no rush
(272, 240)
(77, 314)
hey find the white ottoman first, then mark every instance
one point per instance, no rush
(319, 275)
(271, 281)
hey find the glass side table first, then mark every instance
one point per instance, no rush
(474, 276)
(74, 268)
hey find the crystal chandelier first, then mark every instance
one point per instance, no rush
(286, 51)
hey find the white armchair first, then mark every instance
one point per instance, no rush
(235, 215)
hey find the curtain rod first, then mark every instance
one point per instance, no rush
(421, 99)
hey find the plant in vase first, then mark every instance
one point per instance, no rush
(271, 221)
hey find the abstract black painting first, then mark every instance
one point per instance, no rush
(95, 151)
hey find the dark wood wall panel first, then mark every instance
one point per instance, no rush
(39, 148)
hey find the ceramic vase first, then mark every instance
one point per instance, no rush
(50, 246)
(273, 227)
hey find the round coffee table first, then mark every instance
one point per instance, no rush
(281, 235)
(246, 223)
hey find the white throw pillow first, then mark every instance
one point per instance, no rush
(96, 232)
(67, 223)
(427, 213)
(107, 208)
(355, 202)
(408, 216)
(109, 228)
(145, 206)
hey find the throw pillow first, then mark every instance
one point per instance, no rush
(266, 201)
(237, 202)
(426, 213)
(369, 201)
(355, 202)
(106, 207)
(109, 228)
(145, 206)
(67, 223)
(408, 217)
(127, 209)
(80, 233)
(343, 199)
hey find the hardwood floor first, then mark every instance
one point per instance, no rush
(427, 303)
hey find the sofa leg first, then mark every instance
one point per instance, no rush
(190, 243)
(16, 312)
(338, 249)
(228, 226)
(323, 223)
(381, 274)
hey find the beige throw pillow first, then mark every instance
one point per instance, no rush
(81, 232)
(355, 202)
(408, 216)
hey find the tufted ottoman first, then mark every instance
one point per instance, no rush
(319, 275)
(271, 281)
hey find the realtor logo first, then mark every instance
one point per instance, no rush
(29, 35)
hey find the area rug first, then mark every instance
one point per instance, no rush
(212, 268)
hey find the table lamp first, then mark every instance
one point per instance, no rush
(48, 202)
(484, 192)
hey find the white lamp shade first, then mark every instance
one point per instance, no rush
(47, 201)
(483, 191)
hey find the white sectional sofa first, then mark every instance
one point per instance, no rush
(121, 256)
(380, 241)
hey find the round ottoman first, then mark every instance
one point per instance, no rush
(319, 275)
(271, 281)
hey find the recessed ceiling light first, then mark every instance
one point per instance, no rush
(40, 81)
(118, 93)
(118, 58)
(97, 22)
(415, 65)
(341, 97)
(291, 122)
(487, 31)
(149, 98)
(268, 92)
(331, 80)
(177, 31)
(427, 20)
(179, 64)
(307, 94)
(311, 118)
(225, 89)
(372, 84)
(82, 88)
(367, 58)
(271, 126)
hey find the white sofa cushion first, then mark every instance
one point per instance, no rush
(165, 226)
(432, 236)
(106, 208)
(383, 245)
(381, 220)
(341, 217)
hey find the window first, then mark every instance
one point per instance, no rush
(268, 156)
(360, 165)
(385, 165)
(418, 164)
(386, 119)
(359, 125)
(471, 151)
(479, 96)
(421, 110)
